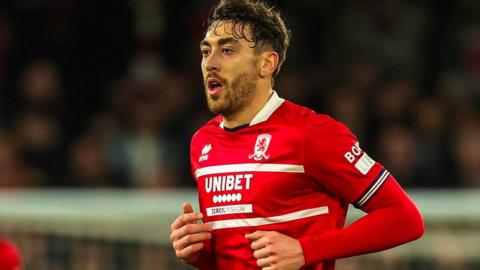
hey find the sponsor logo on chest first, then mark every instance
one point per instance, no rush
(226, 189)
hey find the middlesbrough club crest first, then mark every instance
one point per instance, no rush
(261, 147)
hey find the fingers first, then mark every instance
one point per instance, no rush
(186, 219)
(262, 253)
(189, 233)
(255, 235)
(187, 208)
(274, 250)
(260, 239)
(189, 251)
(265, 262)
(190, 229)
(190, 239)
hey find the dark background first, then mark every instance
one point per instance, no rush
(108, 93)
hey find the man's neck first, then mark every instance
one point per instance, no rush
(246, 115)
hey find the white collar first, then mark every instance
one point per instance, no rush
(272, 105)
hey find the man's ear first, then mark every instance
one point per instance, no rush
(269, 63)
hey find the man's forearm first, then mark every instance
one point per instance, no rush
(392, 220)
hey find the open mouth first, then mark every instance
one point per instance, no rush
(214, 86)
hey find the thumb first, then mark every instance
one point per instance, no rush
(187, 208)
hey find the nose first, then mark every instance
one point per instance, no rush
(212, 63)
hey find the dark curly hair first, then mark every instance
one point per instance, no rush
(266, 25)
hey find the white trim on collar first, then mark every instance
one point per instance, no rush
(272, 105)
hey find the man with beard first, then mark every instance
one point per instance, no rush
(274, 178)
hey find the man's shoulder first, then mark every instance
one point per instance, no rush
(212, 123)
(298, 113)
(208, 127)
(315, 124)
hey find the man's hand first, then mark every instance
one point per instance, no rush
(188, 234)
(276, 251)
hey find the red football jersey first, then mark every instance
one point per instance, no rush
(291, 170)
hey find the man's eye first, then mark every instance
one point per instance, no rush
(205, 53)
(227, 50)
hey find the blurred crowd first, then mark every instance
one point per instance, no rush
(108, 94)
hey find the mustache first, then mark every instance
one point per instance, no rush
(214, 76)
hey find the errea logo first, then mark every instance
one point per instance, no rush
(205, 151)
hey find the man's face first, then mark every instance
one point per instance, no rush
(229, 67)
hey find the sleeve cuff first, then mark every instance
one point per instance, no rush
(320, 248)
(315, 248)
(372, 189)
(308, 250)
(204, 262)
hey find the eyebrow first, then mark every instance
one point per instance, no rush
(220, 42)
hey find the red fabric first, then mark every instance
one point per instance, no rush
(9, 256)
(392, 220)
(332, 155)
(206, 260)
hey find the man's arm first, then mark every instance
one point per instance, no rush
(392, 219)
(351, 175)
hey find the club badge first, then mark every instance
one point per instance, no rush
(261, 147)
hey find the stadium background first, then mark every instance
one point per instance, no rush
(103, 97)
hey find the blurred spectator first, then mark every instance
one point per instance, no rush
(12, 172)
(394, 101)
(40, 86)
(397, 150)
(467, 153)
(149, 22)
(37, 137)
(434, 167)
(347, 106)
(471, 55)
(37, 121)
(142, 154)
(6, 38)
(139, 149)
(88, 165)
(363, 72)
(291, 84)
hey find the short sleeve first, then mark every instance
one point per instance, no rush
(334, 158)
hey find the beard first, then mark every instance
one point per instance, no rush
(235, 96)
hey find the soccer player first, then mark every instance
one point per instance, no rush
(274, 178)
